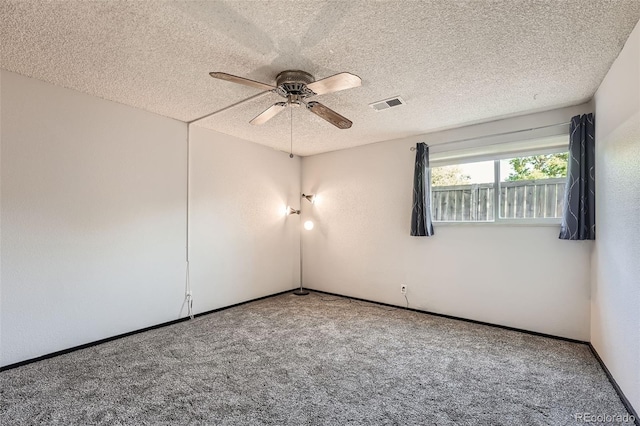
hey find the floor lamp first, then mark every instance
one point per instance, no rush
(308, 225)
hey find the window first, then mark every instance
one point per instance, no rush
(463, 192)
(529, 188)
(533, 187)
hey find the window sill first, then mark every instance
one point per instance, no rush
(517, 223)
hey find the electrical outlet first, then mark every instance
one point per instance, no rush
(403, 288)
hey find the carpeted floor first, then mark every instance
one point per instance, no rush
(314, 360)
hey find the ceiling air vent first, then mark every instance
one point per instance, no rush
(387, 103)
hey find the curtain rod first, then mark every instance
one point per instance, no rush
(413, 148)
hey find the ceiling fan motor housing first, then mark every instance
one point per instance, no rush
(292, 84)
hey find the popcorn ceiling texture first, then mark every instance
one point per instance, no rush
(314, 360)
(453, 62)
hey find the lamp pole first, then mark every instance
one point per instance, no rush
(308, 226)
(300, 291)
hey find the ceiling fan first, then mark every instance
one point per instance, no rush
(296, 86)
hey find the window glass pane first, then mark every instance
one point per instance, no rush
(533, 187)
(463, 192)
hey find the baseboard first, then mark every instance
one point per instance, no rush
(131, 333)
(505, 327)
(244, 303)
(621, 394)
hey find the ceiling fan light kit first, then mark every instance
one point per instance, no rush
(296, 86)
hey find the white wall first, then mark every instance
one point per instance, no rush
(242, 244)
(93, 218)
(615, 320)
(518, 276)
(1, 73)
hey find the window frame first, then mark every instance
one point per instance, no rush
(497, 158)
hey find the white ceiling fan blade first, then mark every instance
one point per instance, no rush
(330, 115)
(241, 80)
(335, 83)
(269, 113)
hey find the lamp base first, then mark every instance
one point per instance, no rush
(300, 292)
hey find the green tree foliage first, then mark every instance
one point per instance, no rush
(448, 175)
(539, 167)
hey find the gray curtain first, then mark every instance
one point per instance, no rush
(421, 225)
(579, 212)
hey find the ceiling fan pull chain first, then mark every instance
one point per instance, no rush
(291, 148)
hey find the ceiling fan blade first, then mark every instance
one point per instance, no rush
(335, 83)
(328, 114)
(269, 113)
(241, 80)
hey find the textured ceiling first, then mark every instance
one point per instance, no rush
(453, 62)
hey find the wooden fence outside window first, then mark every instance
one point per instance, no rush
(525, 199)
